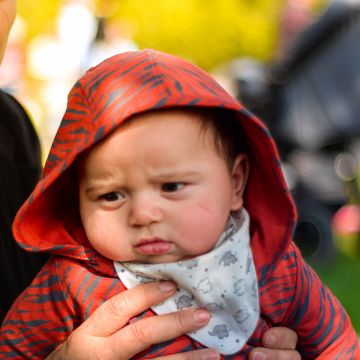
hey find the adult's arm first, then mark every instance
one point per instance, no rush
(20, 164)
(7, 17)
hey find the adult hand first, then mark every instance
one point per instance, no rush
(105, 335)
(7, 17)
(279, 344)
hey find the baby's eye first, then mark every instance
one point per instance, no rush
(172, 187)
(112, 196)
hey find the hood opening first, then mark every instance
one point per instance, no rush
(50, 221)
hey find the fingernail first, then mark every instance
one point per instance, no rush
(209, 354)
(167, 286)
(202, 316)
(270, 340)
(259, 356)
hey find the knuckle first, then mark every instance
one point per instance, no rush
(180, 320)
(146, 293)
(141, 331)
(147, 290)
(292, 339)
(286, 338)
(150, 290)
(115, 307)
(295, 339)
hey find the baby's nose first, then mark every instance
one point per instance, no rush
(144, 211)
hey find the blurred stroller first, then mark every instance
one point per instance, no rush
(311, 103)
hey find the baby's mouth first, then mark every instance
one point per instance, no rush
(153, 246)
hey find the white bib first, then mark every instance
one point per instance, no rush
(222, 280)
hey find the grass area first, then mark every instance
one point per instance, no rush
(343, 278)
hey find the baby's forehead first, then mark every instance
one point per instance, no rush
(150, 133)
(199, 119)
(168, 115)
(208, 125)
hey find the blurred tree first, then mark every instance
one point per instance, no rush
(207, 32)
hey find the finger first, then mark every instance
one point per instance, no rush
(205, 354)
(272, 354)
(280, 338)
(155, 329)
(116, 312)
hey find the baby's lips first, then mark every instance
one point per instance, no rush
(154, 246)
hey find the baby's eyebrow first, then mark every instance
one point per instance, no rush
(94, 188)
(173, 175)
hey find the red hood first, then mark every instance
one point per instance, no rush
(99, 102)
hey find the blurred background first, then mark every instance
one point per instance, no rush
(292, 62)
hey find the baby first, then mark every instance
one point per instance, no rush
(169, 200)
(157, 173)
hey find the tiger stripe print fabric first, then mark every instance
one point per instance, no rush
(76, 279)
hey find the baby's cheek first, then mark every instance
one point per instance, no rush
(113, 249)
(108, 239)
(201, 230)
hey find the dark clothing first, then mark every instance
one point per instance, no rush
(20, 168)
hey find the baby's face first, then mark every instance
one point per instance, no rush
(156, 190)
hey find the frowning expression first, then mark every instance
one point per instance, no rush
(157, 190)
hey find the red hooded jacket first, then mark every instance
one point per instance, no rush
(76, 279)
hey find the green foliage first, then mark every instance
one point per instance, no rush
(343, 280)
(207, 32)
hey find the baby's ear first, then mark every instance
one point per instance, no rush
(239, 174)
